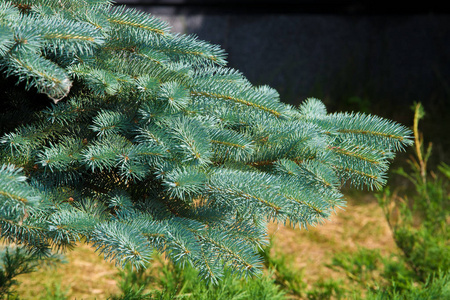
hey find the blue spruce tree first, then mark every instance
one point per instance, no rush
(124, 135)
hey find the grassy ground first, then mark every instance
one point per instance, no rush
(85, 276)
(361, 224)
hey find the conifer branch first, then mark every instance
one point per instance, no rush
(133, 18)
(153, 143)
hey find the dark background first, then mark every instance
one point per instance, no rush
(373, 56)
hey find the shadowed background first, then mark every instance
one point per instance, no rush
(372, 56)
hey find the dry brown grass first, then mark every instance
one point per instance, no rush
(85, 276)
(362, 224)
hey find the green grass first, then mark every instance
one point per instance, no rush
(299, 258)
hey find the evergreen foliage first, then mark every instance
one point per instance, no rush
(15, 261)
(153, 143)
(12, 265)
(419, 216)
(168, 281)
